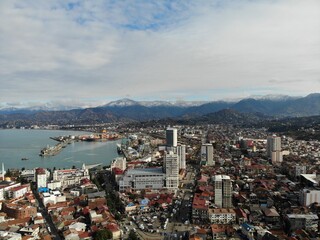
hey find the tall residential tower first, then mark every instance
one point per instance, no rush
(171, 168)
(222, 190)
(172, 137)
(274, 149)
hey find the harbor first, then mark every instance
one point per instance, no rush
(21, 148)
(63, 141)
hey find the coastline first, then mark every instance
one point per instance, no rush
(16, 144)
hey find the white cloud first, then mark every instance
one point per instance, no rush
(158, 50)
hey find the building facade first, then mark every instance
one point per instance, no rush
(172, 137)
(41, 177)
(70, 177)
(120, 163)
(143, 178)
(171, 167)
(274, 149)
(207, 154)
(223, 194)
(307, 197)
(181, 152)
(222, 216)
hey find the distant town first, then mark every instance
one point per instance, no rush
(206, 181)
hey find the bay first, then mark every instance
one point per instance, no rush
(16, 144)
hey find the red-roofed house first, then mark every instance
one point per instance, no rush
(200, 206)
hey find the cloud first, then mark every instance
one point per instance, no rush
(102, 50)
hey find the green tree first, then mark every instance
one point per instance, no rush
(103, 234)
(8, 173)
(132, 236)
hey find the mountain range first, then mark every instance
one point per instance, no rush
(130, 110)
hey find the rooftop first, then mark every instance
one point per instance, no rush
(145, 171)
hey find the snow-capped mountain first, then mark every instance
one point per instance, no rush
(272, 105)
(273, 97)
(125, 102)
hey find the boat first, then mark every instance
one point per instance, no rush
(24, 158)
(50, 150)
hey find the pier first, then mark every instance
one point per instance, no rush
(54, 150)
(63, 141)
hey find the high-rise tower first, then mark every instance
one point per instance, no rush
(207, 154)
(274, 149)
(181, 152)
(171, 167)
(222, 190)
(172, 137)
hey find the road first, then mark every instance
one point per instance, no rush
(50, 225)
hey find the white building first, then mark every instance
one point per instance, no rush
(5, 187)
(119, 162)
(28, 174)
(78, 226)
(181, 152)
(171, 167)
(54, 185)
(222, 216)
(10, 235)
(70, 177)
(142, 178)
(207, 154)
(53, 197)
(308, 197)
(172, 137)
(41, 177)
(222, 190)
(18, 191)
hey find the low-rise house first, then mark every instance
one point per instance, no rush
(248, 230)
(10, 235)
(19, 191)
(94, 217)
(200, 207)
(19, 210)
(53, 197)
(78, 226)
(31, 230)
(221, 231)
(241, 216)
(114, 228)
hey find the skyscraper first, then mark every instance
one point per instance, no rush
(274, 149)
(273, 144)
(172, 137)
(171, 167)
(207, 154)
(222, 190)
(181, 152)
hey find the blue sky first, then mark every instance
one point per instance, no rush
(93, 52)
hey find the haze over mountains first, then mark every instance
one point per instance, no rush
(130, 110)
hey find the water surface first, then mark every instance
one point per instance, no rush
(16, 144)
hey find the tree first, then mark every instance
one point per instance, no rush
(132, 236)
(8, 173)
(103, 234)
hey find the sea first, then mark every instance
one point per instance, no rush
(16, 144)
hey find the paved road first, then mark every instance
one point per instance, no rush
(51, 227)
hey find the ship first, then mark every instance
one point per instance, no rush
(119, 149)
(51, 150)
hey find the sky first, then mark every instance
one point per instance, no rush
(93, 52)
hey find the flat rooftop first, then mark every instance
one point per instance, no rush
(145, 171)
